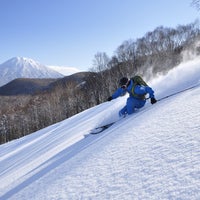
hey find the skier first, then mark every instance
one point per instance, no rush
(137, 89)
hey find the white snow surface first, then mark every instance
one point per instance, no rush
(151, 154)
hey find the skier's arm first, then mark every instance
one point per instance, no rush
(117, 93)
(151, 94)
(145, 90)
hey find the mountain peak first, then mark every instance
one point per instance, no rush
(21, 61)
(21, 67)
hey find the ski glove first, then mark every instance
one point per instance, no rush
(153, 100)
(109, 99)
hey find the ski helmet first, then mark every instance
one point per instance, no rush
(123, 81)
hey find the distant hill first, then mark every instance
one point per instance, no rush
(27, 86)
(76, 78)
(20, 67)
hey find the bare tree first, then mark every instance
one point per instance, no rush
(196, 4)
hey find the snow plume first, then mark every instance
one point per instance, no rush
(184, 75)
(192, 51)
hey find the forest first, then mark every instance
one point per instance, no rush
(154, 54)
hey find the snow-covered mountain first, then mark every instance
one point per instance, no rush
(65, 70)
(151, 154)
(20, 67)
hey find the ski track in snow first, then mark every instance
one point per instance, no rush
(152, 154)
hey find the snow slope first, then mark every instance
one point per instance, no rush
(152, 154)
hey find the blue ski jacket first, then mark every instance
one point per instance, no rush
(139, 89)
(134, 101)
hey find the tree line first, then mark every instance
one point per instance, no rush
(155, 53)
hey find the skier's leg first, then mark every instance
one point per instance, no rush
(130, 104)
(123, 111)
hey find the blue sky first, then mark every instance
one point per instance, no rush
(70, 32)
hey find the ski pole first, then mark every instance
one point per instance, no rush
(177, 92)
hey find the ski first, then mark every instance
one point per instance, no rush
(101, 128)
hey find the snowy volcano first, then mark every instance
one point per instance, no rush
(151, 154)
(20, 67)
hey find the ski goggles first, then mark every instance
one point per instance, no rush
(124, 86)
